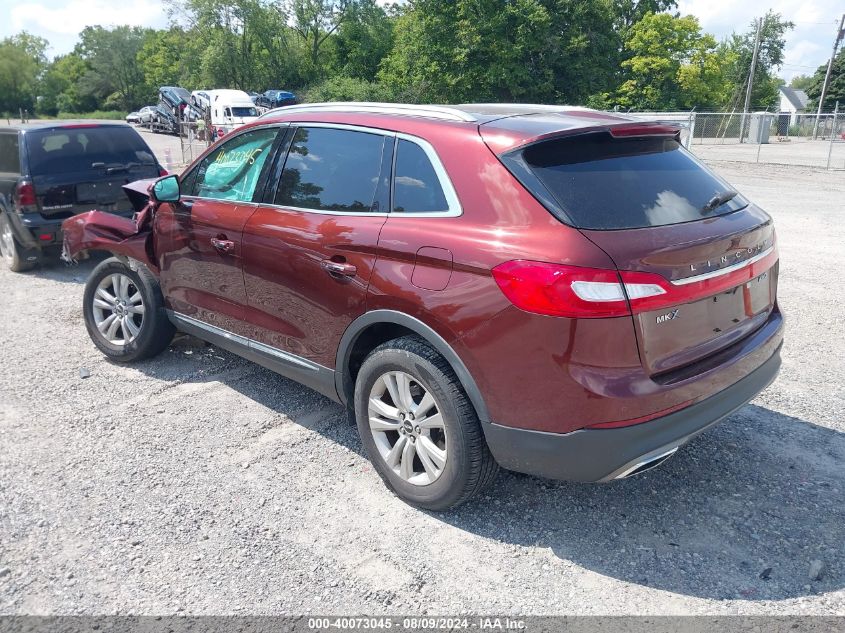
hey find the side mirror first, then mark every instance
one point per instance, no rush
(166, 189)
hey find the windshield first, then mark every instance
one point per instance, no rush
(243, 112)
(67, 150)
(602, 182)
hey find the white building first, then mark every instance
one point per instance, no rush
(793, 102)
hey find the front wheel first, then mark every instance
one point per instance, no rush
(418, 427)
(124, 312)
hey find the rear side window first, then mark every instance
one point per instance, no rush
(67, 150)
(9, 154)
(331, 170)
(416, 187)
(602, 182)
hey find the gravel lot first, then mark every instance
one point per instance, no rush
(200, 483)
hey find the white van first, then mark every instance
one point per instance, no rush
(228, 109)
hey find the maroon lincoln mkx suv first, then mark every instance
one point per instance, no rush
(553, 290)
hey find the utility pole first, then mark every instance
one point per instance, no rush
(839, 35)
(750, 79)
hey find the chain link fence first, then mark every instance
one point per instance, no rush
(782, 138)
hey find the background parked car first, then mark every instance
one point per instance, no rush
(162, 120)
(275, 99)
(146, 114)
(175, 98)
(50, 173)
(140, 117)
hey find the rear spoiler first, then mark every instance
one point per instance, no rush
(623, 130)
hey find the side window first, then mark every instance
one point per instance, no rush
(416, 187)
(9, 154)
(232, 170)
(331, 170)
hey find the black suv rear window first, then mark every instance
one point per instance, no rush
(603, 182)
(66, 150)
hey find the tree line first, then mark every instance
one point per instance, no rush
(630, 54)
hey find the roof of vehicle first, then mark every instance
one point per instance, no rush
(504, 126)
(58, 125)
(227, 94)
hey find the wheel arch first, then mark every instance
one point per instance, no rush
(373, 328)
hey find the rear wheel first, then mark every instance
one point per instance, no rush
(418, 427)
(16, 257)
(124, 312)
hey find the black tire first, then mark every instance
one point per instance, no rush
(156, 330)
(16, 257)
(469, 467)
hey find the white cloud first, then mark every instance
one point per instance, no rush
(60, 22)
(74, 16)
(807, 45)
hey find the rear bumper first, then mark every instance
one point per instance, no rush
(31, 229)
(604, 454)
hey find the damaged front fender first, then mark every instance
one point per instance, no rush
(97, 230)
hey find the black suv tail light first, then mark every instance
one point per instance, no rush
(25, 194)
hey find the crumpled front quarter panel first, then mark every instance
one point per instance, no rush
(97, 230)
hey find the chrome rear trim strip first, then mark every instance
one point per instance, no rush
(723, 271)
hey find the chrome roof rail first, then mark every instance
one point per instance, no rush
(443, 113)
(522, 107)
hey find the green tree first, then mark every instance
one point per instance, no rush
(315, 21)
(166, 59)
(244, 44)
(801, 82)
(22, 63)
(115, 76)
(363, 40)
(836, 88)
(60, 88)
(764, 92)
(671, 65)
(501, 50)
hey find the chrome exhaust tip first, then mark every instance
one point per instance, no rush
(646, 463)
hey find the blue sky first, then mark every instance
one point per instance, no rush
(808, 46)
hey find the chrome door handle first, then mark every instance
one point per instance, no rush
(224, 246)
(339, 268)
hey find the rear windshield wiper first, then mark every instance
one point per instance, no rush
(115, 167)
(718, 200)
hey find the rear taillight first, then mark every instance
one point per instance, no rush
(576, 292)
(163, 172)
(25, 194)
(572, 291)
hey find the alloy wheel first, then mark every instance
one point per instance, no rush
(118, 309)
(407, 428)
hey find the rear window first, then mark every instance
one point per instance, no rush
(602, 182)
(9, 154)
(415, 184)
(67, 150)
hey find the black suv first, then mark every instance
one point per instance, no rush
(50, 172)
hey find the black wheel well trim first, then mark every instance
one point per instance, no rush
(343, 378)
